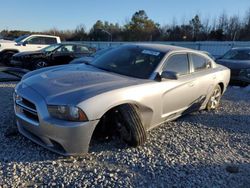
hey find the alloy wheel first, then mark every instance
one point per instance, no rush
(215, 98)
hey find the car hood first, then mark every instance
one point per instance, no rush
(7, 41)
(234, 64)
(73, 84)
(87, 59)
(28, 53)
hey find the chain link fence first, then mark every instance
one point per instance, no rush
(213, 47)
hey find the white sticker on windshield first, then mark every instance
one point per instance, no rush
(150, 52)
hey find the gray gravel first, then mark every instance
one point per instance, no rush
(203, 149)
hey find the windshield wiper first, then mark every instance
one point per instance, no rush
(107, 70)
(101, 68)
(88, 63)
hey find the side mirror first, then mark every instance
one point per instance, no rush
(170, 75)
(218, 58)
(24, 43)
(21, 43)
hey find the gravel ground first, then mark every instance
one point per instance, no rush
(203, 149)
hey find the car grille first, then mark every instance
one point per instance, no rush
(28, 109)
(15, 58)
(18, 58)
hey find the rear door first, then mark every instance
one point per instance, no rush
(203, 72)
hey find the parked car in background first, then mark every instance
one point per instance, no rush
(238, 61)
(125, 92)
(88, 59)
(56, 54)
(25, 43)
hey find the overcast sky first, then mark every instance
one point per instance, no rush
(41, 15)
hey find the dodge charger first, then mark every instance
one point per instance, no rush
(125, 92)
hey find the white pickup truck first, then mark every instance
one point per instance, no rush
(25, 43)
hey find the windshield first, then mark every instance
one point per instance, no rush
(51, 48)
(19, 39)
(131, 61)
(237, 54)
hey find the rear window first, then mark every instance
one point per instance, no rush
(50, 40)
(200, 62)
(81, 49)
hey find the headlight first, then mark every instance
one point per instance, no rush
(17, 97)
(70, 113)
(245, 72)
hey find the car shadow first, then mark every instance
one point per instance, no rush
(16, 148)
(24, 150)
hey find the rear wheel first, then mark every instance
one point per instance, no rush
(40, 63)
(128, 125)
(214, 100)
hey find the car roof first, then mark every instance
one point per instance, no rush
(158, 47)
(72, 43)
(41, 35)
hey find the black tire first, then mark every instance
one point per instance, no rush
(40, 63)
(214, 101)
(6, 57)
(129, 125)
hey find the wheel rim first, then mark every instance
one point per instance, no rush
(215, 98)
(41, 64)
(123, 131)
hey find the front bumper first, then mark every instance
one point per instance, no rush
(63, 137)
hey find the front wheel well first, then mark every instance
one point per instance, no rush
(9, 50)
(124, 122)
(102, 129)
(221, 86)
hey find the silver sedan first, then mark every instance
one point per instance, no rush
(126, 92)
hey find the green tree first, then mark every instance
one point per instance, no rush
(196, 26)
(141, 28)
(105, 31)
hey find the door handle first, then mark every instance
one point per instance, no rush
(39, 47)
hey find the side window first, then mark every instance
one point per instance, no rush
(200, 63)
(81, 49)
(65, 49)
(35, 40)
(41, 40)
(177, 63)
(49, 40)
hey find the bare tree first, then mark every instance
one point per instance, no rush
(233, 29)
(223, 21)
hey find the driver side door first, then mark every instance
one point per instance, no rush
(63, 55)
(179, 94)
